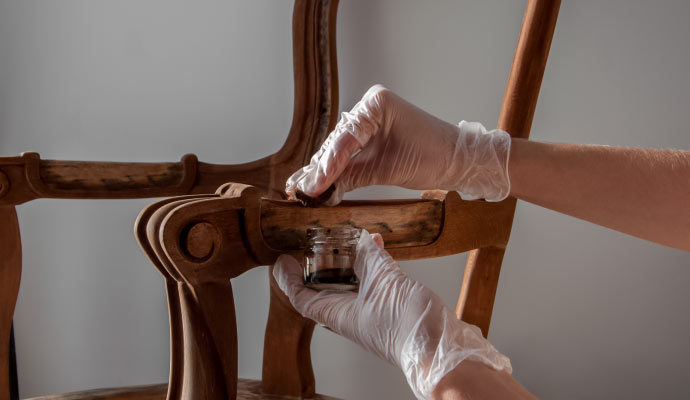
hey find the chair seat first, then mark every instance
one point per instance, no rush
(247, 389)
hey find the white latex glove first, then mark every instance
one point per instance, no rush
(392, 316)
(404, 146)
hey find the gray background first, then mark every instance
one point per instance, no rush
(582, 311)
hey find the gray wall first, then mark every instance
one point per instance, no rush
(582, 311)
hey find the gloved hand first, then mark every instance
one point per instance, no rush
(404, 146)
(392, 316)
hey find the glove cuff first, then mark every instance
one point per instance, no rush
(427, 357)
(480, 163)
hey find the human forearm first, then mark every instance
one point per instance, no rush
(474, 380)
(641, 192)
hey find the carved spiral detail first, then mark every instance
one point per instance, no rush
(4, 184)
(200, 240)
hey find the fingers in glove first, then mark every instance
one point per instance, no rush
(288, 273)
(334, 310)
(373, 264)
(325, 166)
(378, 239)
(329, 308)
(351, 134)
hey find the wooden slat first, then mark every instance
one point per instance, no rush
(411, 229)
(402, 223)
(483, 267)
(81, 175)
(249, 230)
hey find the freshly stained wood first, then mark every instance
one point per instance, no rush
(315, 201)
(402, 223)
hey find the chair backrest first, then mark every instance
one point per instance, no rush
(26, 177)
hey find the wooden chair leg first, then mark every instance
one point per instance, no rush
(519, 103)
(476, 302)
(146, 227)
(287, 368)
(10, 275)
(210, 341)
(202, 311)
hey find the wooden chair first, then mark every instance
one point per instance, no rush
(200, 241)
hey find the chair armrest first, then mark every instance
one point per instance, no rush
(199, 243)
(202, 234)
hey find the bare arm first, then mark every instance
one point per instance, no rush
(474, 380)
(641, 192)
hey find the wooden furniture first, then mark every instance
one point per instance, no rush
(26, 177)
(200, 241)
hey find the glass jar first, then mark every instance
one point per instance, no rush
(329, 258)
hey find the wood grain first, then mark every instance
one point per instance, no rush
(251, 230)
(483, 266)
(402, 223)
(287, 366)
(109, 177)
